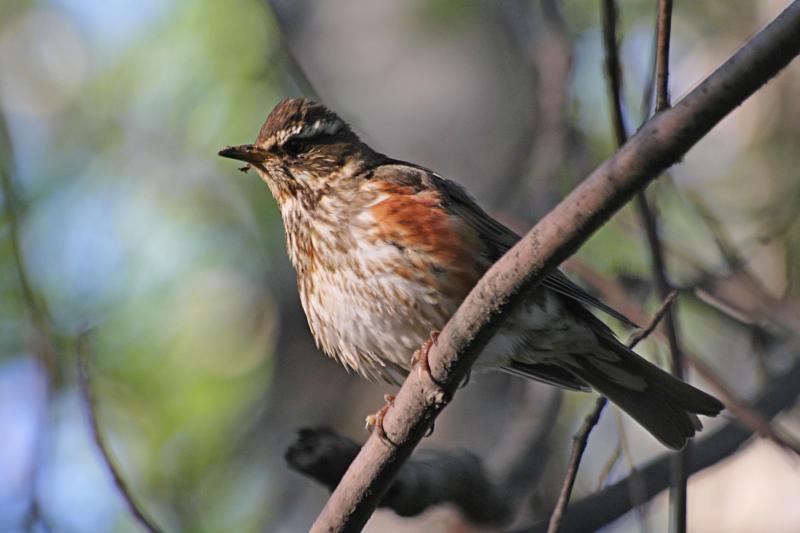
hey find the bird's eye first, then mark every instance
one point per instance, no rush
(294, 146)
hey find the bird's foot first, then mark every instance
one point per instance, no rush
(375, 422)
(420, 360)
(420, 357)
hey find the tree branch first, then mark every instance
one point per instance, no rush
(615, 296)
(429, 478)
(659, 143)
(663, 33)
(582, 437)
(648, 217)
(603, 507)
(580, 440)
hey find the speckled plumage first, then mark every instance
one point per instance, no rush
(385, 251)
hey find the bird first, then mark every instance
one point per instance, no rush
(386, 250)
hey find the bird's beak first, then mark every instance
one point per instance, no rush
(245, 152)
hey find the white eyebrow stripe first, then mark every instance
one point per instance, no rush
(305, 131)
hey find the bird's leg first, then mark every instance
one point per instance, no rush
(420, 357)
(375, 422)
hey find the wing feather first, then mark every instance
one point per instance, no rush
(499, 239)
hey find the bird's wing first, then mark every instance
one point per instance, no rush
(499, 239)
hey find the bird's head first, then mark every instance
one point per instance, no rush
(302, 150)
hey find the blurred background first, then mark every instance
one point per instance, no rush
(120, 219)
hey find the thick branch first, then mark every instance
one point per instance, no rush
(661, 142)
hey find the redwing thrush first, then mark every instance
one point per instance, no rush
(385, 251)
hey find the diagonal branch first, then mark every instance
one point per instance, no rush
(661, 142)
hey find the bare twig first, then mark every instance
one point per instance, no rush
(578, 447)
(663, 310)
(582, 437)
(603, 507)
(608, 467)
(616, 297)
(613, 69)
(663, 33)
(649, 220)
(662, 141)
(87, 393)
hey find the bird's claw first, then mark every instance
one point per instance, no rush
(375, 422)
(430, 430)
(420, 357)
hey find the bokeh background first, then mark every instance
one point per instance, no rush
(129, 226)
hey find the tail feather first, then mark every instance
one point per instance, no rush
(666, 406)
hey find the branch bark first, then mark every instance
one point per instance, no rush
(661, 142)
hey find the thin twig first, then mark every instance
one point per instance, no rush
(645, 332)
(87, 393)
(612, 461)
(616, 297)
(601, 508)
(578, 447)
(663, 33)
(649, 220)
(661, 142)
(582, 437)
(678, 489)
(610, 15)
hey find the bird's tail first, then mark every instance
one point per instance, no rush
(666, 406)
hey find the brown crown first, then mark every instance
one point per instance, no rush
(293, 113)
